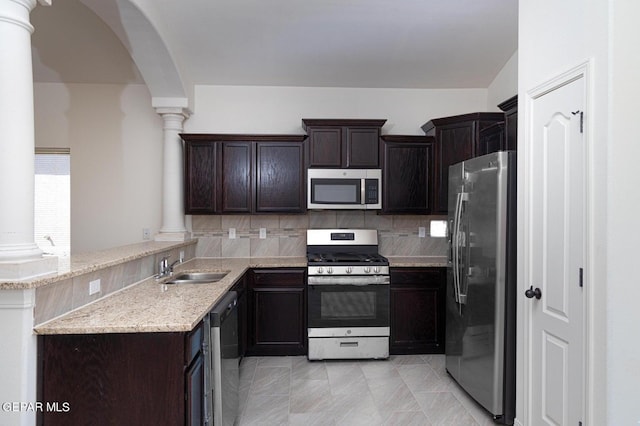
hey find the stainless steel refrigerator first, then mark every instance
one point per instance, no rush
(481, 281)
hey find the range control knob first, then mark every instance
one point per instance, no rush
(376, 269)
(329, 270)
(320, 269)
(349, 269)
(367, 269)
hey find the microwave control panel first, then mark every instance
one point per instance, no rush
(371, 191)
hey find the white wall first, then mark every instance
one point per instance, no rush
(555, 37)
(115, 138)
(623, 204)
(504, 85)
(259, 109)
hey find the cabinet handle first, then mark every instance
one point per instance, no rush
(348, 344)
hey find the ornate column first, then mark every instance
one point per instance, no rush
(20, 257)
(173, 228)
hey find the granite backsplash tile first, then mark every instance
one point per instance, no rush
(286, 234)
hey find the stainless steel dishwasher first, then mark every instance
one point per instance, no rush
(224, 376)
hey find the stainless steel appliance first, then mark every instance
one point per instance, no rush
(357, 189)
(222, 377)
(348, 295)
(481, 285)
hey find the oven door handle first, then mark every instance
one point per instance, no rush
(349, 280)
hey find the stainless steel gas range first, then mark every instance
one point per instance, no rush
(348, 295)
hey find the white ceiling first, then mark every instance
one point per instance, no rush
(323, 43)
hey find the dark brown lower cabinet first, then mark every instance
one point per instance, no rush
(240, 287)
(277, 312)
(417, 310)
(122, 379)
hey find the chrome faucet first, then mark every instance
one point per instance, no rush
(164, 268)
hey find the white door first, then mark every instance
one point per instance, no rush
(555, 255)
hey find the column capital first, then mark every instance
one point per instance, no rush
(166, 110)
(17, 12)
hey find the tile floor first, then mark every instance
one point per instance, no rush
(404, 390)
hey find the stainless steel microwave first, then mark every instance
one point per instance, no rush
(356, 189)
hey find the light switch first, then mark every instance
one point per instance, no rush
(263, 233)
(232, 233)
(422, 231)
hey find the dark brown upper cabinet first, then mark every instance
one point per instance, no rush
(341, 143)
(407, 174)
(456, 139)
(234, 173)
(492, 139)
(510, 108)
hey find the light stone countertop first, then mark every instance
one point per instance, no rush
(150, 306)
(417, 261)
(82, 263)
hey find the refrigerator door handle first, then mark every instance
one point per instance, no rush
(456, 247)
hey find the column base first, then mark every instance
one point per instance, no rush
(173, 236)
(22, 270)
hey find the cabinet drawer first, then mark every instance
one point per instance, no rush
(193, 343)
(429, 276)
(279, 277)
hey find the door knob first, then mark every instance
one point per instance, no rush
(531, 293)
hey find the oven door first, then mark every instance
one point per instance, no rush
(348, 302)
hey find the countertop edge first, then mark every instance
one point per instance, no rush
(138, 307)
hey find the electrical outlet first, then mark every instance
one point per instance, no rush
(232, 233)
(94, 286)
(181, 258)
(422, 231)
(146, 234)
(263, 233)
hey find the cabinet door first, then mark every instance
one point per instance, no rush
(491, 139)
(280, 185)
(455, 143)
(362, 147)
(235, 177)
(325, 147)
(510, 108)
(277, 312)
(195, 392)
(406, 176)
(200, 178)
(417, 310)
(240, 287)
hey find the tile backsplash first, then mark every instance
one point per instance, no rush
(286, 234)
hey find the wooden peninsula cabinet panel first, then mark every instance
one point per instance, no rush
(122, 379)
(406, 170)
(417, 310)
(236, 173)
(337, 143)
(277, 312)
(456, 139)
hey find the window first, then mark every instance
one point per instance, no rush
(52, 227)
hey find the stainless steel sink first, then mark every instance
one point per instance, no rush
(197, 277)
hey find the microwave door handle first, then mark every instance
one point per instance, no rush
(362, 188)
